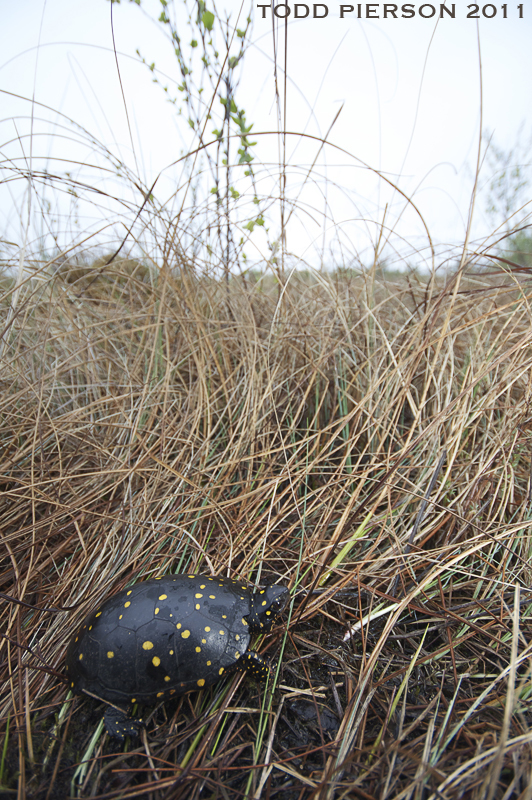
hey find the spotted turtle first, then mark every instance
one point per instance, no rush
(167, 636)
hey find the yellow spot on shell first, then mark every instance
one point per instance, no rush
(207, 629)
(128, 593)
(198, 606)
(178, 626)
(110, 654)
(156, 661)
(244, 621)
(209, 663)
(201, 682)
(237, 637)
(171, 652)
(156, 610)
(222, 633)
(80, 656)
(133, 700)
(90, 628)
(198, 595)
(198, 649)
(167, 678)
(160, 694)
(163, 597)
(98, 614)
(204, 641)
(212, 597)
(221, 671)
(120, 617)
(185, 634)
(147, 645)
(126, 605)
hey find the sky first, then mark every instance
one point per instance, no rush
(401, 101)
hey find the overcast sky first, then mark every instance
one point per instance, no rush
(408, 92)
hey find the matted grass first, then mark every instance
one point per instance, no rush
(155, 420)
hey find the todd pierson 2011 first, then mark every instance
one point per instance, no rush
(388, 10)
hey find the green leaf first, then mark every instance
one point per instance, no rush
(193, 43)
(208, 20)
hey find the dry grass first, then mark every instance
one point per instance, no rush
(155, 420)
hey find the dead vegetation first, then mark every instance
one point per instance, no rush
(157, 420)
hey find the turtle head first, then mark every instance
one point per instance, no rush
(266, 607)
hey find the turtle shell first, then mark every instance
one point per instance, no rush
(160, 638)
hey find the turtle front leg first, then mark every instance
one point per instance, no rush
(254, 664)
(119, 725)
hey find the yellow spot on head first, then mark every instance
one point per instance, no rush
(201, 682)
(156, 661)
(163, 597)
(185, 634)
(110, 654)
(147, 645)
